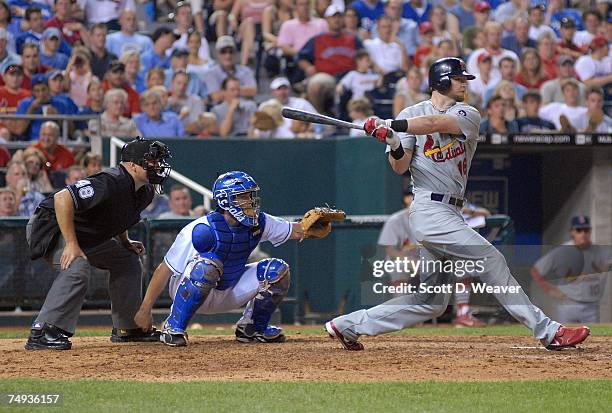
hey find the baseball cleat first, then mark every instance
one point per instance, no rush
(333, 332)
(48, 338)
(174, 338)
(468, 320)
(128, 335)
(568, 337)
(247, 334)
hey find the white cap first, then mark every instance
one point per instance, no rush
(333, 9)
(279, 82)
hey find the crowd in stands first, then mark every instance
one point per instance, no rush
(225, 68)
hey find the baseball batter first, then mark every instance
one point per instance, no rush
(438, 145)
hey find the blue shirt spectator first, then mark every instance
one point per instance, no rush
(368, 12)
(465, 17)
(49, 49)
(6, 56)
(116, 42)
(153, 121)
(194, 87)
(162, 37)
(417, 10)
(150, 59)
(40, 103)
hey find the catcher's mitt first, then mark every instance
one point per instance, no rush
(316, 223)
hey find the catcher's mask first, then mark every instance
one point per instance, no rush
(237, 193)
(152, 156)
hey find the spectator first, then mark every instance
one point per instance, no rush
(188, 107)
(57, 156)
(195, 64)
(332, 52)
(281, 92)
(565, 115)
(8, 206)
(408, 91)
(156, 77)
(11, 25)
(6, 57)
(106, 11)
(566, 45)
(20, 9)
(133, 75)
(267, 122)
(152, 122)
(184, 30)
(30, 57)
(40, 103)
(115, 79)
(547, 50)
(482, 11)
(532, 122)
(243, 18)
(531, 74)
(387, 55)
(506, 90)
(92, 163)
(74, 174)
(163, 94)
(551, 90)
(361, 80)
(233, 114)
(557, 12)
(595, 69)
(180, 204)
(162, 37)
(460, 17)
(483, 81)
(507, 70)
(127, 38)
(225, 67)
(112, 123)
(351, 24)
(38, 178)
(56, 83)
(507, 13)
(208, 124)
(359, 110)
(594, 120)
(79, 75)
(417, 10)
(95, 98)
(71, 29)
(438, 19)
(369, 11)
(404, 31)
(492, 33)
(36, 24)
(178, 63)
(17, 181)
(446, 48)
(294, 33)
(11, 94)
(101, 58)
(426, 45)
(519, 39)
(592, 21)
(273, 18)
(49, 49)
(536, 20)
(495, 121)
(218, 20)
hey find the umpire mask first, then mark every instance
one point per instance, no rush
(152, 156)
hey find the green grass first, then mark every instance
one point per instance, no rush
(128, 396)
(505, 330)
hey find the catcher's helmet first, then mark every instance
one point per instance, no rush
(231, 184)
(442, 70)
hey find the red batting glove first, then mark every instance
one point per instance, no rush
(382, 133)
(370, 124)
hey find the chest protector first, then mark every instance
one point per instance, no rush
(233, 246)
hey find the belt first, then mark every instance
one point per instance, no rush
(453, 201)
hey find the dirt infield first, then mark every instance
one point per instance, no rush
(312, 357)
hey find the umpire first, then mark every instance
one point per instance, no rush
(85, 225)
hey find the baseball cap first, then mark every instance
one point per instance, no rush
(537, 5)
(332, 10)
(13, 68)
(279, 82)
(581, 222)
(224, 42)
(4, 34)
(426, 27)
(568, 23)
(180, 53)
(484, 56)
(482, 6)
(39, 78)
(597, 42)
(565, 59)
(51, 32)
(53, 74)
(116, 66)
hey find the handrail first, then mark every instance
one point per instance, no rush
(207, 195)
(63, 118)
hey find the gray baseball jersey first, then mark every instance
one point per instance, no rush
(441, 162)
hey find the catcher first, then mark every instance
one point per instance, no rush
(207, 269)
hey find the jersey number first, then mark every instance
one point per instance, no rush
(462, 166)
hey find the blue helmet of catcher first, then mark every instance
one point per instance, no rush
(237, 193)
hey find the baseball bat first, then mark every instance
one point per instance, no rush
(304, 116)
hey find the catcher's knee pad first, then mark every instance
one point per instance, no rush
(193, 290)
(274, 281)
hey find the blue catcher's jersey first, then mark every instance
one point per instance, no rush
(232, 245)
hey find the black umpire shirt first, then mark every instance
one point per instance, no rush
(105, 205)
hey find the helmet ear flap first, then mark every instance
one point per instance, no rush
(444, 84)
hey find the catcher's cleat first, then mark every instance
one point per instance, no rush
(174, 338)
(126, 335)
(468, 320)
(247, 334)
(333, 332)
(48, 338)
(568, 337)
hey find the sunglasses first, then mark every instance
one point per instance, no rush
(227, 50)
(582, 229)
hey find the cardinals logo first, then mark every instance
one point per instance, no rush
(444, 153)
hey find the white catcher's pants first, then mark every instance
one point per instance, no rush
(445, 235)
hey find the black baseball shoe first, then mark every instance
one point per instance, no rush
(247, 334)
(127, 335)
(48, 338)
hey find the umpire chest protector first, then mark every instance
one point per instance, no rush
(233, 246)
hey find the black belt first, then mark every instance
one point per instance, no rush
(453, 201)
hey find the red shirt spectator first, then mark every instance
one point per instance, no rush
(30, 62)
(12, 93)
(58, 156)
(72, 30)
(115, 78)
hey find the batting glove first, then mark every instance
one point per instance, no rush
(384, 134)
(372, 123)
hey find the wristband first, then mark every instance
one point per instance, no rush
(398, 153)
(398, 125)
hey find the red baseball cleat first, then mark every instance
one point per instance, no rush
(468, 320)
(568, 337)
(333, 332)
